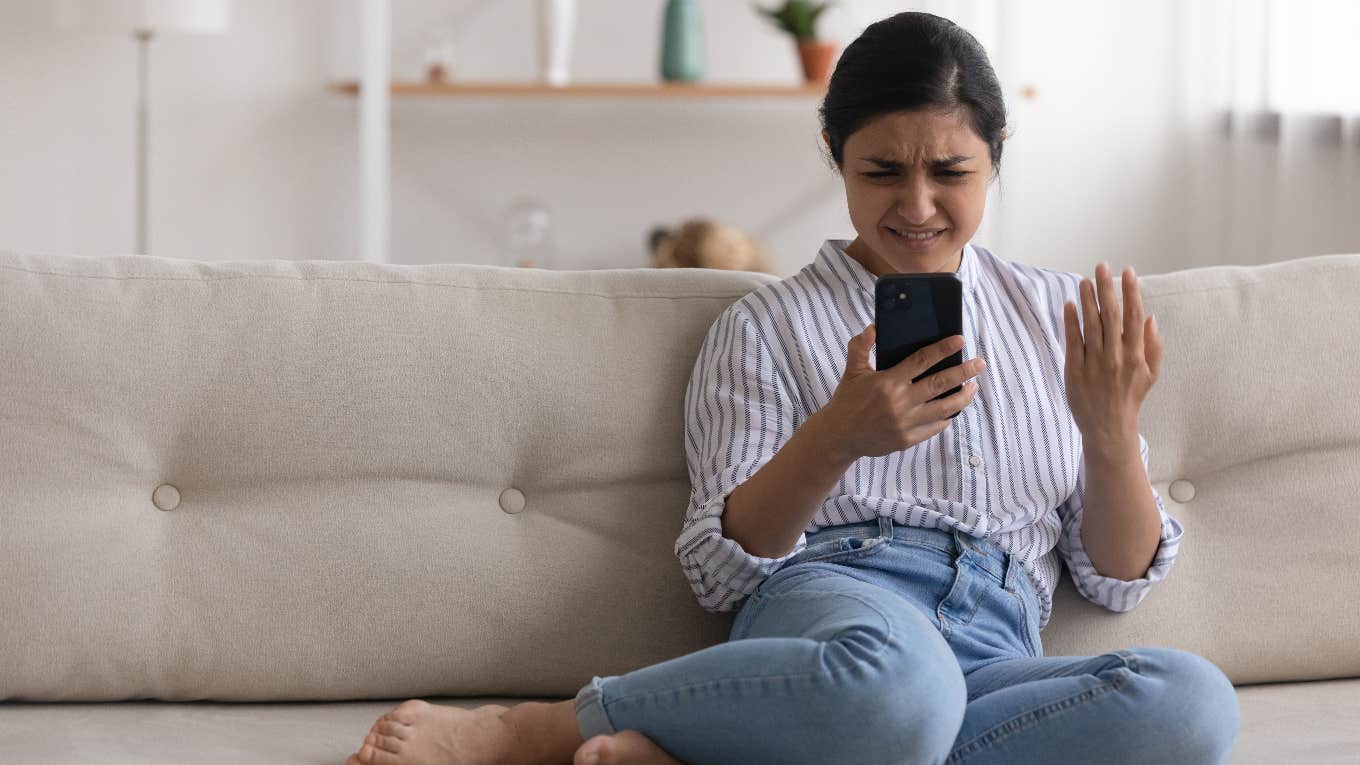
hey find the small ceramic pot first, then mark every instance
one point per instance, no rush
(816, 56)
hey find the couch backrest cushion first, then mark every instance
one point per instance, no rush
(298, 480)
(265, 480)
(1254, 445)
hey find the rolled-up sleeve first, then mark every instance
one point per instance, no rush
(1114, 594)
(738, 413)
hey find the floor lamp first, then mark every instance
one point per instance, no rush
(144, 19)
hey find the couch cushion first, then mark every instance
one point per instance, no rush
(1317, 723)
(315, 480)
(388, 480)
(1254, 445)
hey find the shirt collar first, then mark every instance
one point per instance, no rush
(832, 258)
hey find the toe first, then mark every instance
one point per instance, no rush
(387, 743)
(599, 750)
(384, 757)
(407, 711)
(393, 729)
(627, 747)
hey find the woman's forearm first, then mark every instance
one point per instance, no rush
(767, 512)
(1121, 526)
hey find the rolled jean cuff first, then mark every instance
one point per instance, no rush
(591, 719)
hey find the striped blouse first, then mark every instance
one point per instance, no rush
(1009, 468)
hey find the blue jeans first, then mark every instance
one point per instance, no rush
(883, 643)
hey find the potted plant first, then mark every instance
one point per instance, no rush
(799, 18)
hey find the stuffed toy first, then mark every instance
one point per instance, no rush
(705, 243)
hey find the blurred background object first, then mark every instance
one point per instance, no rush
(439, 55)
(1168, 135)
(556, 36)
(143, 20)
(705, 243)
(682, 42)
(528, 240)
(799, 19)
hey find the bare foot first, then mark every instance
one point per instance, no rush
(420, 733)
(627, 747)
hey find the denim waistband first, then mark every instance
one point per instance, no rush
(1004, 567)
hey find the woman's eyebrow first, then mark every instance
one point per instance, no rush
(892, 164)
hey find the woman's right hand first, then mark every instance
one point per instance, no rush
(873, 413)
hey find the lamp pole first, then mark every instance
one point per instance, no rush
(143, 37)
(375, 83)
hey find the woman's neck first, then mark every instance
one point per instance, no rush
(879, 266)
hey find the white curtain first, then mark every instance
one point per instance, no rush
(1271, 108)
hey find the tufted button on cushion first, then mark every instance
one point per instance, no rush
(512, 500)
(1182, 490)
(166, 497)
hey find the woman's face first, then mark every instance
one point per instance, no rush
(914, 171)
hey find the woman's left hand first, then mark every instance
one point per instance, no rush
(1109, 372)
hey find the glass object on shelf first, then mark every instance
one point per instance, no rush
(527, 232)
(439, 50)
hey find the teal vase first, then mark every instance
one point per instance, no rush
(682, 42)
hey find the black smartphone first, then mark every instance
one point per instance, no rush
(912, 311)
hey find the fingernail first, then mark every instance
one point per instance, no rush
(590, 758)
(1154, 322)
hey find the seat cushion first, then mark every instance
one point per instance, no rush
(1315, 722)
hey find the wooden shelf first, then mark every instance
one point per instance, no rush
(592, 90)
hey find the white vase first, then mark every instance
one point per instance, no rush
(556, 28)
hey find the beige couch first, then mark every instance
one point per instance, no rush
(325, 487)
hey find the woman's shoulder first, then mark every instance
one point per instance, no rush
(781, 299)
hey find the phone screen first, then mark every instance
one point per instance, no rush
(912, 311)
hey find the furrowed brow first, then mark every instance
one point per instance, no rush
(947, 161)
(889, 163)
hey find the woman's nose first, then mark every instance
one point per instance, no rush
(916, 202)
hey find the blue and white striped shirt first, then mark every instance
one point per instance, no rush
(1009, 468)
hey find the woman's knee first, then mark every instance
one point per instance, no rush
(1194, 710)
(913, 702)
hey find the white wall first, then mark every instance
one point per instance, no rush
(249, 157)
(253, 158)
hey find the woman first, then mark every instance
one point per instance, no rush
(893, 567)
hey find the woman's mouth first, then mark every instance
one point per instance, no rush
(915, 241)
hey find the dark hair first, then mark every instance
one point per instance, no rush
(913, 60)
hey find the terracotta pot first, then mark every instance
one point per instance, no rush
(816, 56)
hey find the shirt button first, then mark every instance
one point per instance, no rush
(974, 460)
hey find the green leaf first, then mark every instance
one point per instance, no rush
(797, 17)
